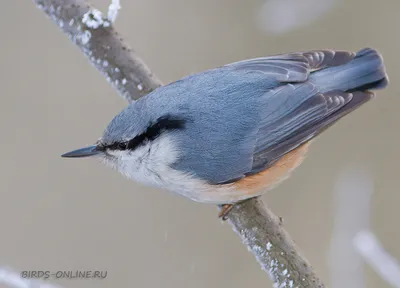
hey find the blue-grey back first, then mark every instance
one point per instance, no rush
(222, 112)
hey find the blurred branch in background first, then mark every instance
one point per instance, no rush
(382, 262)
(258, 227)
(282, 16)
(352, 241)
(352, 192)
(12, 279)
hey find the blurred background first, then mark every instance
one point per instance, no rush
(59, 214)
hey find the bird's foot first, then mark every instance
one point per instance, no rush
(225, 209)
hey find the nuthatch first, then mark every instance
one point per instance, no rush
(234, 132)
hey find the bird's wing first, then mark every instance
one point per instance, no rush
(313, 116)
(300, 109)
(294, 67)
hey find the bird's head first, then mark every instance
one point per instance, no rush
(133, 139)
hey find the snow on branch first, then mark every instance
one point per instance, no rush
(113, 10)
(94, 18)
(263, 234)
(106, 50)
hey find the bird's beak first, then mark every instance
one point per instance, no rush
(83, 152)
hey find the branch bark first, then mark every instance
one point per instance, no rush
(263, 234)
(260, 230)
(104, 47)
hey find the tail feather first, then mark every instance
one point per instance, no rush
(365, 71)
(380, 84)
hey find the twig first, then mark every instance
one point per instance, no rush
(375, 255)
(258, 227)
(353, 193)
(353, 241)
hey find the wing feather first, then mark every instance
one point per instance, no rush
(297, 110)
(264, 158)
(294, 67)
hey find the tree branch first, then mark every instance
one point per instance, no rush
(106, 50)
(257, 226)
(263, 234)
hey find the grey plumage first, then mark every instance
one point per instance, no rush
(242, 117)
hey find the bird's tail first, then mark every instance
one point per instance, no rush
(364, 72)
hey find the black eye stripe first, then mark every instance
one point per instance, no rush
(162, 124)
(122, 145)
(116, 146)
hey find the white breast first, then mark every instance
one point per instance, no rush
(150, 164)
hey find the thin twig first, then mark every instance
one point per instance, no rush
(258, 227)
(375, 255)
(352, 205)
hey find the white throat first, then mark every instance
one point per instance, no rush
(150, 164)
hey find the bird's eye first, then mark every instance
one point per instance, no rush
(122, 145)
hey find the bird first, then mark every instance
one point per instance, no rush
(232, 133)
